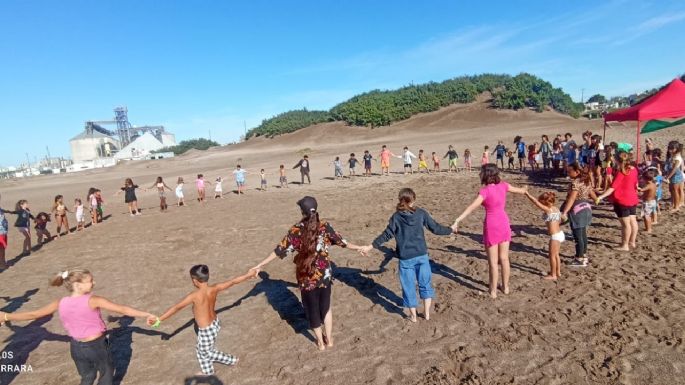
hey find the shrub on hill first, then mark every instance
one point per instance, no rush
(379, 108)
(186, 145)
(598, 98)
(288, 122)
(526, 90)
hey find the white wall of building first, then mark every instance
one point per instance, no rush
(168, 139)
(92, 148)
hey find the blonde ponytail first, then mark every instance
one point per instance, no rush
(67, 278)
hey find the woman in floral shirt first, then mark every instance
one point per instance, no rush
(311, 239)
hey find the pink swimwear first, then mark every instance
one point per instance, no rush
(200, 183)
(385, 158)
(496, 227)
(485, 159)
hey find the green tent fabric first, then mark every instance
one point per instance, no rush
(625, 147)
(656, 125)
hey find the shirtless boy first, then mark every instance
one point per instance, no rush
(204, 301)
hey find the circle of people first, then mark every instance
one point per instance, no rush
(591, 168)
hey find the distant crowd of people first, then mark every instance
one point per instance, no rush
(595, 171)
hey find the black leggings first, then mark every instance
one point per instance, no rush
(91, 358)
(316, 304)
(580, 236)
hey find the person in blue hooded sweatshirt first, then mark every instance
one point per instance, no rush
(407, 227)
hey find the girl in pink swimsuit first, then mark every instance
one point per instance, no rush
(496, 229)
(200, 184)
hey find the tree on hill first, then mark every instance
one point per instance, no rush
(186, 145)
(383, 107)
(597, 98)
(525, 90)
(288, 122)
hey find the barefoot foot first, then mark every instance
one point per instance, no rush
(550, 277)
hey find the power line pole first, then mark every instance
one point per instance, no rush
(582, 95)
(210, 135)
(28, 164)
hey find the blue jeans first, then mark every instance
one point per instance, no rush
(411, 270)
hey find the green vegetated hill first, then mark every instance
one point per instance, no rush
(381, 108)
(190, 144)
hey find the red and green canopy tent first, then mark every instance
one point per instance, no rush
(668, 103)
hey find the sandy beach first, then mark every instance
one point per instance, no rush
(619, 321)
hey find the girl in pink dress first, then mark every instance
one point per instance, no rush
(496, 229)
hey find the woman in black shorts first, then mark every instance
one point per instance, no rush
(311, 238)
(624, 190)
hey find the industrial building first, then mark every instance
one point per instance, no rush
(98, 146)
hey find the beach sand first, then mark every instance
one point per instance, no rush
(620, 320)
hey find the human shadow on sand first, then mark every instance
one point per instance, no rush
(373, 291)
(388, 255)
(546, 180)
(23, 341)
(196, 380)
(460, 278)
(17, 259)
(483, 256)
(120, 340)
(513, 246)
(14, 304)
(280, 297)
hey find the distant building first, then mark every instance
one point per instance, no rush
(92, 144)
(98, 146)
(595, 106)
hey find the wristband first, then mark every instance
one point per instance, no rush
(157, 323)
(6, 320)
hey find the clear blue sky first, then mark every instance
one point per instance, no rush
(196, 66)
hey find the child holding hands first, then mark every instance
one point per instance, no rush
(552, 217)
(407, 227)
(81, 317)
(203, 300)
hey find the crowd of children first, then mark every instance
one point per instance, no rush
(41, 220)
(591, 167)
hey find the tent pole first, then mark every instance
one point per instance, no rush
(604, 136)
(638, 142)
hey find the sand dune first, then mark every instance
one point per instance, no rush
(619, 321)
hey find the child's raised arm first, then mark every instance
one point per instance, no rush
(176, 308)
(29, 315)
(252, 273)
(537, 203)
(386, 235)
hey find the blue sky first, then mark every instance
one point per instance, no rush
(196, 66)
